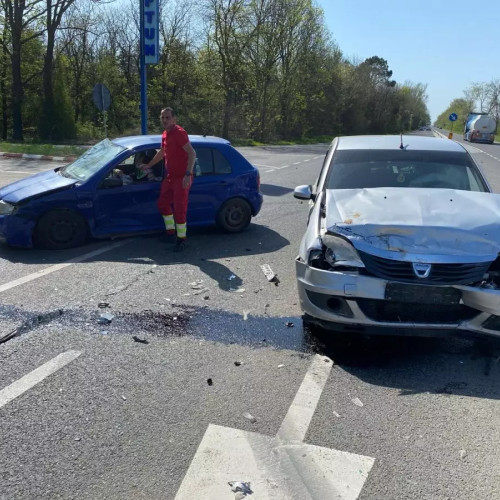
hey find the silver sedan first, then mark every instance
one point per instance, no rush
(403, 237)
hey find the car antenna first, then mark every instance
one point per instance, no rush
(401, 145)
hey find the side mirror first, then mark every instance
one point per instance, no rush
(303, 193)
(112, 182)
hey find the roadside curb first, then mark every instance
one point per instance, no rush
(26, 156)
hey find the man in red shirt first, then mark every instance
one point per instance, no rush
(179, 158)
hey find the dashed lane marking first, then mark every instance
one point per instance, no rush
(58, 267)
(33, 378)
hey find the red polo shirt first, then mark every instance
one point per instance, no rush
(176, 159)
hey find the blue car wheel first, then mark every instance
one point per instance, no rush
(60, 229)
(234, 215)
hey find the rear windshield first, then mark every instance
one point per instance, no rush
(358, 169)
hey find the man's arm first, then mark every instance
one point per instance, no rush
(154, 161)
(191, 157)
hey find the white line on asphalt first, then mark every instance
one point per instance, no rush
(283, 467)
(263, 166)
(20, 386)
(57, 267)
(300, 413)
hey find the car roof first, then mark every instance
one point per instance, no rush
(410, 142)
(135, 141)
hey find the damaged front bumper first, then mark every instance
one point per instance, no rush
(16, 231)
(352, 301)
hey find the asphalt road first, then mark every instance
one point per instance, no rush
(124, 419)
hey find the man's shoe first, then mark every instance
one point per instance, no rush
(180, 245)
(167, 237)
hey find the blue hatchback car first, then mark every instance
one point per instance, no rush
(102, 194)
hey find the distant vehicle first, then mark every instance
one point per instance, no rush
(480, 127)
(400, 240)
(60, 208)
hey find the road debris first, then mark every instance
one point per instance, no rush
(140, 341)
(357, 402)
(210, 381)
(206, 297)
(104, 332)
(238, 363)
(201, 290)
(463, 454)
(237, 290)
(78, 439)
(8, 336)
(103, 305)
(336, 414)
(250, 417)
(289, 324)
(240, 486)
(124, 398)
(271, 276)
(245, 315)
(106, 318)
(281, 366)
(232, 277)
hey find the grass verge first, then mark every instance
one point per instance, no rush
(41, 149)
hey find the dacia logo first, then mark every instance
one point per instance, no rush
(422, 270)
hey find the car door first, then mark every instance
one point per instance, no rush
(213, 183)
(129, 207)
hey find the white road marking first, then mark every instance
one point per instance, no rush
(57, 267)
(20, 386)
(279, 468)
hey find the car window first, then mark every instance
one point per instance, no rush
(358, 169)
(210, 161)
(84, 167)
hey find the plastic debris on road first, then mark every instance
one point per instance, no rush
(141, 341)
(103, 305)
(238, 363)
(210, 381)
(463, 454)
(289, 324)
(240, 486)
(106, 318)
(232, 277)
(281, 366)
(271, 276)
(336, 414)
(124, 398)
(245, 315)
(237, 290)
(250, 417)
(357, 402)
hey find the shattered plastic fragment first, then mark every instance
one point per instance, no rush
(210, 381)
(336, 414)
(237, 290)
(238, 363)
(245, 315)
(357, 402)
(103, 305)
(124, 398)
(281, 366)
(106, 318)
(141, 341)
(463, 454)
(240, 486)
(289, 324)
(270, 274)
(250, 417)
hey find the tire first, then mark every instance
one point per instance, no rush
(60, 229)
(235, 215)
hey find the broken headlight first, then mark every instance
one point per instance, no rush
(6, 208)
(340, 252)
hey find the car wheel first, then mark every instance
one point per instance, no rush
(234, 215)
(60, 229)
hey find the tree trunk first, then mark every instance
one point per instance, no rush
(17, 89)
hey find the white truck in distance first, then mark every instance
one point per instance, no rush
(480, 127)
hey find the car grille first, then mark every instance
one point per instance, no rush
(441, 274)
(399, 312)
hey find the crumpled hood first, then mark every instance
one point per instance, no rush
(35, 185)
(417, 225)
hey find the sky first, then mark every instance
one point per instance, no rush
(446, 45)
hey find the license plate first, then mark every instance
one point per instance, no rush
(422, 294)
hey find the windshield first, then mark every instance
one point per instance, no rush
(358, 169)
(84, 167)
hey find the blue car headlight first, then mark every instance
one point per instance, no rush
(6, 208)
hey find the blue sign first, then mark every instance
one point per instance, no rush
(453, 117)
(150, 26)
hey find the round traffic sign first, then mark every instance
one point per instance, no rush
(453, 117)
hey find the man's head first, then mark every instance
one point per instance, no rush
(168, 118)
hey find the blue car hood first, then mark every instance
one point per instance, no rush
(34, 186)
